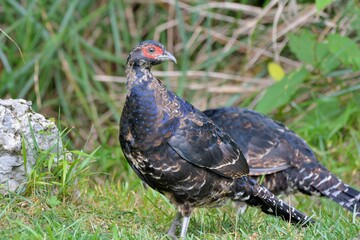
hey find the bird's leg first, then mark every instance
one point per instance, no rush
(184, 226)
(176, 222)
(241, 208)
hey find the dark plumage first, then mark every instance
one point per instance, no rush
(178, 151)
(284, 158)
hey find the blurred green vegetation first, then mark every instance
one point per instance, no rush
(72, 66)
(65, 45)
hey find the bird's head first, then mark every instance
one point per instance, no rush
(149, 53)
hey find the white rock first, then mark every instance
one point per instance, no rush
(18, 121)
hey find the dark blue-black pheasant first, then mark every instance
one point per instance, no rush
(285, 159)
(175, 149)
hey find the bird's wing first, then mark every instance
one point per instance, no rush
(259, 137)
(269, 154)
(259, 171)
(199, 141)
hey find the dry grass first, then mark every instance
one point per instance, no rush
(244, 45)
(74, 54)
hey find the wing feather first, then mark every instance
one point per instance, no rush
(199, 141)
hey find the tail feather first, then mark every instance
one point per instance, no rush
(349, 198)
(320, 180)
(249, 191)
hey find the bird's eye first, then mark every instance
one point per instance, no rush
(151, 50)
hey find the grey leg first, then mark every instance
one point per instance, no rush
(176, 222)
(184, 226)
(241, 208)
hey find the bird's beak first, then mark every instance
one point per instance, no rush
(167, 56)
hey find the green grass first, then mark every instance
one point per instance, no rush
(84, 204)
(65, 44)
(116, 210)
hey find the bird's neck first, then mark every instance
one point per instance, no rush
(137, 74)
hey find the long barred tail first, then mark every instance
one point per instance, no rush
(322, 181)
(348, 198)
(253, 194)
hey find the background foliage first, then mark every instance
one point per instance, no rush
(297, 61)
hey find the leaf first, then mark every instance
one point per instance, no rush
(309, 51)
(23, 151)
(321, 4)
(345, 49)
(53, 201)
(303, 46)
(281, 92)
(276, 71)
(330, 117)
(341, 121)
(326, 61)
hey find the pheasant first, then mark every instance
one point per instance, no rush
(285, 159)
(176, 150)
